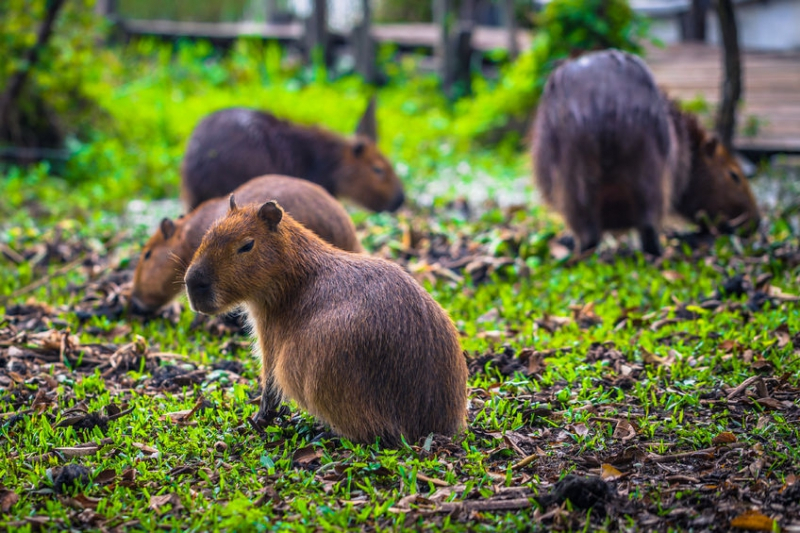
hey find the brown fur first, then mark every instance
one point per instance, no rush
(162, 265)
(352, 339)
(231, 146)
(612, 152)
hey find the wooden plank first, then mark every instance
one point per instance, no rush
(771, 89)
(212, 30)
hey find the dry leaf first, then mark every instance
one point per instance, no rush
(157, 502)
(671, 275)
(775, 292)
(609, 473)
(753, 521)
(85, 502)
(653, 359)
(7, 500)
(105, 476)
(306, 455)
(81, 451)
(558, 251)
(624, 431)
(726, 437)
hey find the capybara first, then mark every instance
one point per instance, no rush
(231, 146)
(351, 338)
(162, 264)
(612, 152)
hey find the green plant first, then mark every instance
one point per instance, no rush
(56, 102)
(575, 26)
(500, 111)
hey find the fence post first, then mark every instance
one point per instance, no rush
(316, 32)
(364, 46)
(511, 25)
(441, 12)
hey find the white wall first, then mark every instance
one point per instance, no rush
(767, 25)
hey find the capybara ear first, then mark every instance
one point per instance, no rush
(167, 228)
(271, 213)
(358, 148)
(367, 125)
(232, 203)
(710, 146)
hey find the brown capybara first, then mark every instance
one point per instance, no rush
(231, 146)
(611, 152)
(352, 339)
(162, 264)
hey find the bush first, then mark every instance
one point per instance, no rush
(56, 103)
(565, 28)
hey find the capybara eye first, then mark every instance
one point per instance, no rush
(147, 255)
(735, 177)
(247, 246)
(378, 170)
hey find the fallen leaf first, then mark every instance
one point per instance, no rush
(775, 292)
(671, 275)
(609, 473)
(753, 521)
(624, 431)
(7, 500)
(82, 451)
(306, 455)
(105, 476)
(162, 500)
(84, 502)
(653, 359)
(725, 437)
(559, 251)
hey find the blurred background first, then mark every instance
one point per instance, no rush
(98, 98)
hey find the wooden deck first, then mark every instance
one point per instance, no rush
(771, 90)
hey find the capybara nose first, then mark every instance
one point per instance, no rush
(397, 202)
(197, 282)
(136, 307)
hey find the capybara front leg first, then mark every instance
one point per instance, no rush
(270, 406)
(649, 236)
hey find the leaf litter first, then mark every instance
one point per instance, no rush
(636, 469)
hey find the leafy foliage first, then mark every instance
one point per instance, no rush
(57, 102)
(575, 26)
(564, 28)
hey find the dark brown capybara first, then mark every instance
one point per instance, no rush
(162, 264)
(352, 339)
(231, 146)
(611, 152)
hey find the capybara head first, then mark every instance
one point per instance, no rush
(366, 175)
(241, 250)
(159, 273)
(718, 193)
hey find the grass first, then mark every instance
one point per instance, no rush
(615, 366)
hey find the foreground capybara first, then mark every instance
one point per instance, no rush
(162, 264)
(611, 152)
(351, 338)
(231, 146)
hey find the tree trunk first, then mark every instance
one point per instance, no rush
(364, 46)
(16, 81)
(511, 26)
(732, 82)
(694, 24)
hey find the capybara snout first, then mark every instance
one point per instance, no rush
(199, 290)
